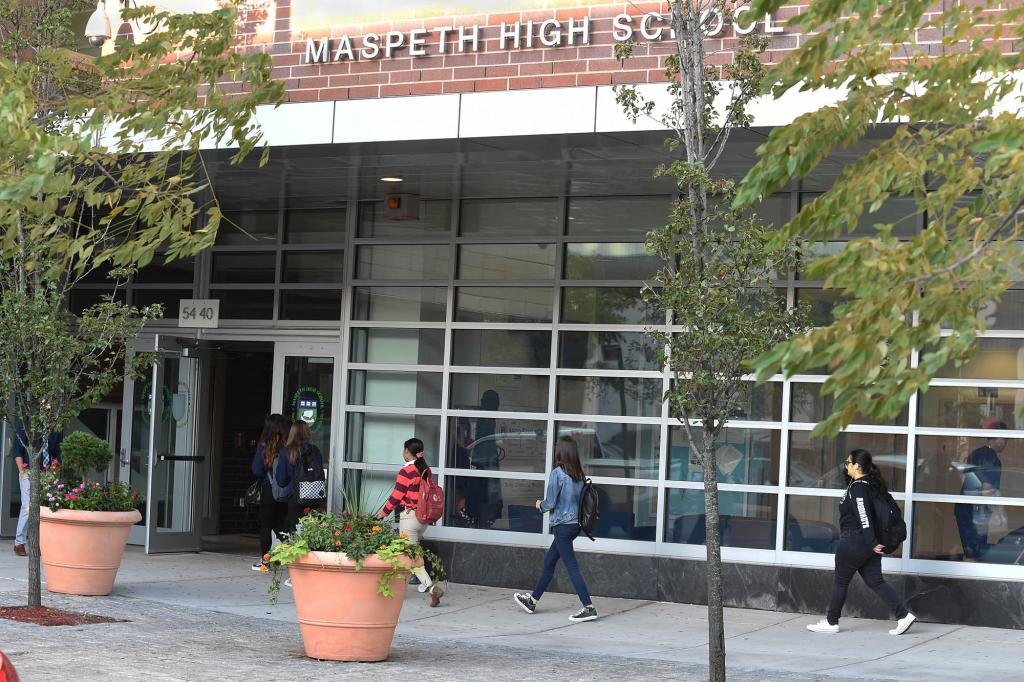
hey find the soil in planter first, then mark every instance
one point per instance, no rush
(42, 615)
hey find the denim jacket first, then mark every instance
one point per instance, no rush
(563, 497)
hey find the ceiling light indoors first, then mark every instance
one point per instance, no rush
(391, 178)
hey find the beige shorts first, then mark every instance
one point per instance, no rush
(408, 523)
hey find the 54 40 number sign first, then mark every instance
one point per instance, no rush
(199, 312)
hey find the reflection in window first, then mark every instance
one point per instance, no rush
(434, 219)
(617, 396)
(970, 465)
(511, 217)
(424, 261)
(820, 304)
(245, 305)
(608, 350)
(499, 392)
(497, 444)
(315, 226)
(812, 524)
(818, 462)
(248, 228)
(493, 503)
(970, 407)
(501, 304)
(507, 261)
(243, 268)
(808, 406)
(748, 456)
(983, 533)
(627, 512)
(400, 304)
(302, 267)
(177, 271)
(616, 450)
(747, 519)
(379, 438)
(994, 359)
(310, 305)
(398, 346)
(501, 348)
(395, 389)
(609, 261)
(1005, 313)
(617, 216)
(607, 305)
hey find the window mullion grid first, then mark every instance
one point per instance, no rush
(341, 431)
(783, 473)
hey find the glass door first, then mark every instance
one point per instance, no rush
(304, 389)
(163, 446)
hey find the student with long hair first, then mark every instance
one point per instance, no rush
(300, 451)
(272, 512)
(565, 483)
(859, 550)
(404, 499)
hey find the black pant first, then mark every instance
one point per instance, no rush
(271, 517)
(853, 556)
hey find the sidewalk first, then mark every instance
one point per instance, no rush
(206, 617)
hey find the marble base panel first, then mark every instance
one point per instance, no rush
(966, 601)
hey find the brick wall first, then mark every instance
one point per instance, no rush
(268, 26)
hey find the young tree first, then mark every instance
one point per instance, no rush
(717, 282)
(944, 81)
(99, 167)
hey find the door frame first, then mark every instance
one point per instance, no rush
(147, 534)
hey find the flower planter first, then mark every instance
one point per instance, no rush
(82, 550)
(341, 615)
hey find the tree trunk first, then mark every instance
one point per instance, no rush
(35, 587)
(716, 616)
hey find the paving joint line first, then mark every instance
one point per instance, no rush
(894, 653)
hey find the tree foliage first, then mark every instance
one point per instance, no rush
(954, 144)
(716, 285)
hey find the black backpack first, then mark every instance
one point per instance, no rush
(890, 528)
(309, 481)
(589, 509)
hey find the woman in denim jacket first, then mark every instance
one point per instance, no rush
(563, 501)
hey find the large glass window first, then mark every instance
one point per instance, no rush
(608, 350)
(398, 346)
(970, 407)
(616, 450)
(248, 228)
(244, 305)
(812, 524)
(310, 305)
(504, 392)
(434, 219)
(506, 504)
(511, 217)
(748, 456)
(395, 389)
(994, 359)
(617, 216)
(818, 462)
(498, 304)
(609, 261)
(400, 304)
(617, 396)
(315, 226)
(627, 512)
(379, 438)
(970, 531)
(989, 466)
(497, 444)
(746, 519)
(243, 268)
(501, 348)
(606, 305)
(424, 261)
(301, 267)
(524, 262)
(809, 406)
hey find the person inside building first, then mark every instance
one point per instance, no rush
(859, 550)
(565, 485)
(403, 501)
(982, 476)
(51, 453)
(300, 448)
(272, 511)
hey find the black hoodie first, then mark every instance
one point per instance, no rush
(857, 513)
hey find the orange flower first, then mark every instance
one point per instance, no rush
(266, 557)
(376, 529)
(263, 568)
(405, 536)
(337, 543)
(337, 533)
(383, 547)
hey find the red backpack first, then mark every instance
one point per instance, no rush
(431, 503)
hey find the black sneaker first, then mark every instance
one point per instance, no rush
(584, 614)
(526, 602)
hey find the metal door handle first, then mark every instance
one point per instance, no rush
(125, 460)
(180, 458)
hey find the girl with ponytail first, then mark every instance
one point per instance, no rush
(859, 550)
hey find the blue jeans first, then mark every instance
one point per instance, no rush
(561, 548)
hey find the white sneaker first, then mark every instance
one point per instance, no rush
(903, 624)
(824, 626)
(421, 588)
(288, 582)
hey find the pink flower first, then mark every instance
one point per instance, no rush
(71, 496)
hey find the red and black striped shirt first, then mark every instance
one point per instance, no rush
(407, 490)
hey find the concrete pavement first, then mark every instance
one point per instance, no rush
(206, 616)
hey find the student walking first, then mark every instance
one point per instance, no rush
(272, 511)
(859, 550)
(565, 483)
(301, 452)
(404, 500)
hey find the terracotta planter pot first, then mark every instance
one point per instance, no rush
(341, 615)
(82, 550)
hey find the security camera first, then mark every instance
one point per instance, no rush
(97, 29)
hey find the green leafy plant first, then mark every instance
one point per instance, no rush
(83, 454)
(357, 535)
